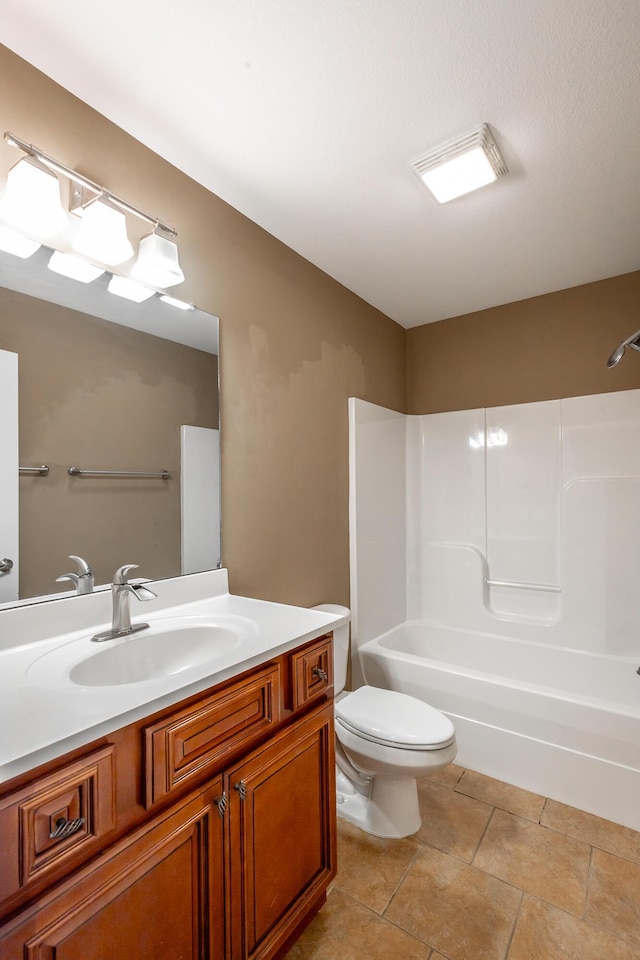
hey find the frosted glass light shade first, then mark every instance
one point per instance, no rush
(460, 175)
(71, 266)
(102, 234)
(157, 262)
(460, 166)
(129, 289)
(13, 242)
(31, 201)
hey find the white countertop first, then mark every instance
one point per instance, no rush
(43, 714)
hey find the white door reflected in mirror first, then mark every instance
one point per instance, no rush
(9, 477)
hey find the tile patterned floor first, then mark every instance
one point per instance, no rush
(495, 873)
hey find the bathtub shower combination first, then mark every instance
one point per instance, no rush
(495, 572)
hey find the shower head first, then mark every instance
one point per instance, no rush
(633, 341)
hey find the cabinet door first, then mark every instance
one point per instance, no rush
(281, 836)
(157, 895)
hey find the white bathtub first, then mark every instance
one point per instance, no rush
(560, 722)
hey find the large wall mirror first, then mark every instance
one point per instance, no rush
(128, 393)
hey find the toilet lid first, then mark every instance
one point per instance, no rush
(396, 719)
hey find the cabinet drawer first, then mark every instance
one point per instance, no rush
(311, 671)
(56, 819)
(189, 742)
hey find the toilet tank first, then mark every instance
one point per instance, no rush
(340, 644)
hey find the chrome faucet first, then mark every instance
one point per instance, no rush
(83, 580)
(121, 590)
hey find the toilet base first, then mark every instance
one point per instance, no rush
(389, 809)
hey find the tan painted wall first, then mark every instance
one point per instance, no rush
(294, 346)
(544, 348)
(101, 396)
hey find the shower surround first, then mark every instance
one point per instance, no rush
(495, 564)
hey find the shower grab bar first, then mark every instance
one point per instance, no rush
(41, 471)
(77, 472)
(544, 587)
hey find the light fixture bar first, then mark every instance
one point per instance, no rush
(75, 177)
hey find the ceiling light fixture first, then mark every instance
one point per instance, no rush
(73, 267)
(157, 262)
(31, 202)
(102, 233)
(129, 289)
(13, 242)
(461, 165)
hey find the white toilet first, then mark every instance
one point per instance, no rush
(385, 741)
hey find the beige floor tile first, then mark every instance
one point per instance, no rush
(346, 930)
(503, 795)
(450, 821)
(614, 896)
(623, 841)
(448, 776)
(545, 933)
(460, 911)
(370, 868)
(537, 860)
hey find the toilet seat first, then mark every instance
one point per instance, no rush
(394, 719)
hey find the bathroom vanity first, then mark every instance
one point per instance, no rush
(202, 829)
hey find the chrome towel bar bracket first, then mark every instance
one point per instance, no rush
(41, 471)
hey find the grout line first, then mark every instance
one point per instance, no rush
(544, 807)
(486, 827)
(588, 923)
(408, 933)
(401, 881)
(515, 924)
(587, 891)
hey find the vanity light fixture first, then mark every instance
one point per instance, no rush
(31, 202)
(129, 289)
(179, 304)
(102, 234)
(73, 267)
(157, 261)
(16, 243)
(460, 166)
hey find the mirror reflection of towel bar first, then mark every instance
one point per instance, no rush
(77, 472)
(545, 587)
(41, 471)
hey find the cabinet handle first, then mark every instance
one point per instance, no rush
(64, 828)
(241, 787)
(221, 804)
(6, 565)
(320, 673)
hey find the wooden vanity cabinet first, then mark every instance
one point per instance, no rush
(281, 837)
(224, 853)
(157, 894)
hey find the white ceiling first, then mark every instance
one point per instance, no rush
(304, 115)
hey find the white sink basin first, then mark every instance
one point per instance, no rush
(166, 648)
(145, 656)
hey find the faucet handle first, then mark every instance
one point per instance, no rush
(120, 576)
(83, 566)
